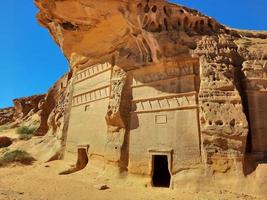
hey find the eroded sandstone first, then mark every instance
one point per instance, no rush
(149, 75)
(149, 81)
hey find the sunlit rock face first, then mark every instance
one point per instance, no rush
(131, 32)
(151, 80)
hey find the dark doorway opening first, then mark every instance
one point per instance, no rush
(161, 175)
(81, 162)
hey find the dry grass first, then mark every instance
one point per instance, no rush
(25, 132)
(16, 156)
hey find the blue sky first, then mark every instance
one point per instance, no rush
(31, 62)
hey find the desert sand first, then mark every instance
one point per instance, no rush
(42, 182)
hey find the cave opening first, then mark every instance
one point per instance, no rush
(161, 175)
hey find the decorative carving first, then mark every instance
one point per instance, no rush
(118, 81)
(169, 73)
(91, 96)
(171, 102)
(91, 72)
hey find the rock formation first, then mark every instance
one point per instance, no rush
(6, 115)
(24, 108)
(153, 82)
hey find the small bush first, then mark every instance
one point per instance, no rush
(25, 130)
(16, 156)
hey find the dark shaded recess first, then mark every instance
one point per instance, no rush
(179, 23)
(146, 9)
(161, 175)
(149, 55)
(168, 12)
(210, 24)
(126, 108)
(186, 21)
(239, 76)
(121, 9)
(202, 26)
(197, 25)
(219, 122)
(139, 6)
(165, 10)
(166, 24)
(81, 163)
(69, 26)
(124, 158)
(154, 9)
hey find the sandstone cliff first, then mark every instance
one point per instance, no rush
(143, 57)
(133, 34)
(23, 109)
(6, 115)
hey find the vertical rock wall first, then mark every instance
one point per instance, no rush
(224, 126)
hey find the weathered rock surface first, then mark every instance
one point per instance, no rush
(6, 115)
(149, 81)
(27, 106)
(24, 108)
(52, 107)
(131, 32)
(45, 113)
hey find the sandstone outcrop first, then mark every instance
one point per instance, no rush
(44, 113)
(52, 107)
(26, 106)
(6, 115)
(157, 72)
(23, 109)
(154, 85)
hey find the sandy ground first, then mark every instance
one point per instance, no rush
(41, 181)
(9, 133)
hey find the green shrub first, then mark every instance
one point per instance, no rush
(16, 156)
(25, 130)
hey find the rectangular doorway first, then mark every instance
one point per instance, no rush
(161, 175)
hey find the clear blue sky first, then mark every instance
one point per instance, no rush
(31, 62)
